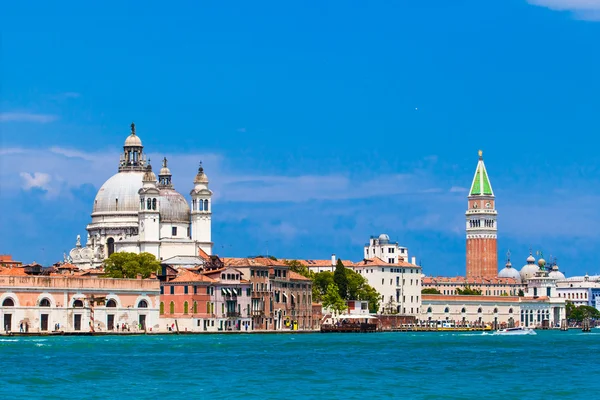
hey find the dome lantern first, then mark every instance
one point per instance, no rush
(133, 158)
(164, 176)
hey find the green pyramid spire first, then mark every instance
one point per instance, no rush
(481, 185)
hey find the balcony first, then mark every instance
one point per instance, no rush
(233, 314)
(258, 313)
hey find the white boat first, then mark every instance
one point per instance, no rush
(515, 331)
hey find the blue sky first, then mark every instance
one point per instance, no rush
(319, 123)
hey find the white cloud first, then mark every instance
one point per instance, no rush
(458, 189)
(583, 9)
(35, 180)
(27, 117)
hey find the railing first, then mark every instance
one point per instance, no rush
(233, 314)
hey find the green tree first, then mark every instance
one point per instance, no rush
(333, 300)
(340, 279)
(299, 268)
(430, 291)
(467, 291)
(521, 293)
(129, 265)
(321, 281)
(579, 313)
(359, 289)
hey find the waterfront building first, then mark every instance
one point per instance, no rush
(481, 225)
(137, 212)
(399, 284)
(186, 301)
(317, 266)
(460, 310)
(66, 303)
(231, 299)
(580, 290)
(381, 247)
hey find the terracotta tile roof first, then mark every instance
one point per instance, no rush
(319, 263)
(250, 262)
(202, 254)
(297, 277)
(430, 280)
(376, 261)
(189, 276)
(16, 271)
(67, 266)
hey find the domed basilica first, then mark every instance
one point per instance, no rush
(137, 212)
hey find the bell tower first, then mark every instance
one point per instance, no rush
(201, 212)
(482, 253)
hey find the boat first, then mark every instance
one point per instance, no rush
(349, 324)
(519, 330)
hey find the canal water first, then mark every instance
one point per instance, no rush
(300, 366)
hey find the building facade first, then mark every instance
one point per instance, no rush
(137, 212)
(77, 304)
(488, 286)
(382, 248)
(481, 226)
(399, 284)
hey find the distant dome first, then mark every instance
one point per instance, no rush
(530, 269)
(119, 193)
(173, 206)
(133, 140)
(509, 272)
(541, 262)
(556, 274)
(384, 239)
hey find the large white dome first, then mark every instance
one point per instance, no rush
(119, 193)
(509, 272)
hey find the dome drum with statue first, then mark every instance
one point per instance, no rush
(136, 211)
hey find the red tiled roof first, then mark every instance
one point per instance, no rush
(188, 276)
(202, 254)
(430, 280)
(16, 271)
(297, 277)
(376, 261)
(459, 298)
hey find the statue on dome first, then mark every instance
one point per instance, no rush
(132, 128)
(78, 242)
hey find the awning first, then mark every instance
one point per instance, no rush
(223, 291)
(285, 296)
(228, 291)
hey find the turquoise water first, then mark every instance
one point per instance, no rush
(333, 366)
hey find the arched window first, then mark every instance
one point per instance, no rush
(185, 307)
(495, 311)
(111, 303)
(464, 310)
(44, 302)
(162, 308)
(479, 310)
(446, 310)
(8, 302)
(110, 244)
(510, 311)
(78, 303)
(201, 205)
(149, 204)
(195, 308)
(143, 304)
(154, 204)
(205, 205)
(172, 308)
(141, 204)
(428, 309)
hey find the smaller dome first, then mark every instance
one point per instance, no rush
(509, 272)
(201, 176)
(133, 140)
(384, 239)
(165, 169)
(556, 274)
(530, 259)
(149, 176)
(541, 262)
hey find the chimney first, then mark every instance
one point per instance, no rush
(414, 260)
(139, 276)
(333, 259)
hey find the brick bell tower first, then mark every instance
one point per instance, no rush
(482, 253)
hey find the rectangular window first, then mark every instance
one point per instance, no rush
(195, 289)
(172, 289)
(248, 292)
(548, 292)
(251, 272)
(284, 272)
(174, 231)
(162, 290)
